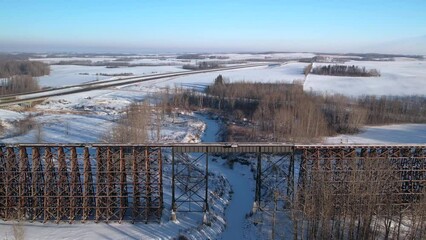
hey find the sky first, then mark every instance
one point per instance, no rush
(213, 26)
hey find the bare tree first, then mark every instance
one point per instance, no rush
(133, 126)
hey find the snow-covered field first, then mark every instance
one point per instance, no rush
(404, 76)
(66, 75)
(389, 134)
(282, 73)
(399, 77)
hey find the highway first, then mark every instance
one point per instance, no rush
(43, 94)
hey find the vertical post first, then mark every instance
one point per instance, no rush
(207, 181)
(160, 165)
(75, 186)
(50, 192)
(100, 185)
(62, 198)
(23, 178)
(36, 184)
(302, 180)
(109, 184)
(123, 187)
(148, 193)
(173, 181)
(88, 185)
(206, 197)
(290, 187)
(258, 181)
(11, 183)
(2, 185)
(173, 216)
(136, 185)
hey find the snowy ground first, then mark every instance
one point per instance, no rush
(399, 77)
(282, 73)
(66, 75)
(389, 134)
(404, 76)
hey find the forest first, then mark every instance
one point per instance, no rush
(284, 112)
(343, 70)
(18, 84)
(202, 66)
(17, 76)
(9, 68)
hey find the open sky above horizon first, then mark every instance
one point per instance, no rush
(212, 26)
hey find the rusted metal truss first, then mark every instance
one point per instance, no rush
(189, 181)
(68, 183)
(124, 182)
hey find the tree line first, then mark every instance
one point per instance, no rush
(202, 66)
(18, 84)
(17, 75)
(9, 68)
(343, 70)
(284, 112)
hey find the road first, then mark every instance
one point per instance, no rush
(43, 94)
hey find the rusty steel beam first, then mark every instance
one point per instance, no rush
(3, 184)
(37, 185)
(63, 186)
(190, 183)
(50, 187)
(24, 206)
(75, 190)
(154, 182)
(147, 189)
(124, 202)
(101, 184)
(135, 178)
(88, 187)
(12, 183)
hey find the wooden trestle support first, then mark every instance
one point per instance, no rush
(55, 182)
(68, 183)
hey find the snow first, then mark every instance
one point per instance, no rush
(241, 182)
(65, 128)
(267, 56)
(399, 77)
(7, 115)
(54, 60)
(43, 94)
(86, 117)
(283, 73)
(7, 121)
(389, 134)
(92, 230)
(67, 75)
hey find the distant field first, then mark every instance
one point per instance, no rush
(64, 75)
(399, 77)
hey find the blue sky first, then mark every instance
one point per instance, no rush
(209, 25)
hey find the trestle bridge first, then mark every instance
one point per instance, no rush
(111, 182)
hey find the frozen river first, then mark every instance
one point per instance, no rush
(241, 181)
